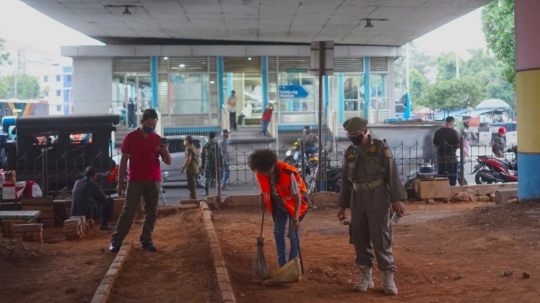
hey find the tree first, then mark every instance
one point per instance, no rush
(4, 58)
(452, 94)
(498, 27)
(418, 82)
(446, 66)
(27, 87)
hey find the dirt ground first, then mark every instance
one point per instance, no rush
(181, 271)
(58, 271)
(444, 253)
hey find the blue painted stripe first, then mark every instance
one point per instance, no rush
(264, 61)
(298, 127)
(220, 85)
(171, 131)
(529, 176)
(326, 92)
(341, 99)
(367, 87)
(154, 72)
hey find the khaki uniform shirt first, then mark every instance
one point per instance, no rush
(231, 102)
(377, 163)
(193, 166)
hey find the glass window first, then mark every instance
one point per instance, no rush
(248, 89)
(144, 91)
(59, 108)
(189, 93)
(304, 86)
(45, 78)
(58, 93)
(379, 93)
(57, 78)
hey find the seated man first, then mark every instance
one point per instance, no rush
(90, 201)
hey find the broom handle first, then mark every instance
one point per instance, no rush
(262, 223)
(299, 252)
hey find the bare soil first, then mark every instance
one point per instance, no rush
(444, 253)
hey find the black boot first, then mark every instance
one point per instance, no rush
(205, 192)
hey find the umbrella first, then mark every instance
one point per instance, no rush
(492, 104)
(423, 112)
(407, 113)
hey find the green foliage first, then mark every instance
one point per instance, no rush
(498, 27)
(446, 66)
(452, 94)
(4, 58)
(27, 87)
(417, 82)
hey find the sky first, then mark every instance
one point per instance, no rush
(22, 23)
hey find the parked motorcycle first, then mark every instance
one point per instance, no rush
(494, 170)
(293, 157)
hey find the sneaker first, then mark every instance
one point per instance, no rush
(115, 246)
(226, 188)
(149, 246)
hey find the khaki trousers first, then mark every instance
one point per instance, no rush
(134, 192)
(192, 185)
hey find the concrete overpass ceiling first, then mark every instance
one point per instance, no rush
(286, 21)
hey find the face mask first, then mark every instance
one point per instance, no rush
(147, 129)
(357, 140)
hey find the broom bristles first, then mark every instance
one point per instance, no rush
(259, 264)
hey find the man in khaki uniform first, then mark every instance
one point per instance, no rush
(191, 166)
(371, 188)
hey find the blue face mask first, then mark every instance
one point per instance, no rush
(147, 129)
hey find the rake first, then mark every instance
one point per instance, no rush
(259, 263)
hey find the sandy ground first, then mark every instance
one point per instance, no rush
(444, 253)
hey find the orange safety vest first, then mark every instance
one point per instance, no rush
(283, 185)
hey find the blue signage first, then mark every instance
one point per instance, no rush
(292, 92)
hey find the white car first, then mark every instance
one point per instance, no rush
(171, 173)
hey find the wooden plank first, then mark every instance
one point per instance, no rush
(27, 227)
(37, 201)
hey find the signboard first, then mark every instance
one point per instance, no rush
(292, 92)
(296, 70)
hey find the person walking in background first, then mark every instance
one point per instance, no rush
(208, 156)
(285, 195)
(446, 140)
(132, 117)
(232, 109)
(372, 190)
(191, 166)
(266, 118)
(142, 148)
(499, 143)
(90, 201)
(224, 159)
(467, 136)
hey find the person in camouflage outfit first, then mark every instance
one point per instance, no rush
(208, 156)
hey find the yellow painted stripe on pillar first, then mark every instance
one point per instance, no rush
(528, 110)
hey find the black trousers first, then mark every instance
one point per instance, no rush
(107, 211)
(232, 117)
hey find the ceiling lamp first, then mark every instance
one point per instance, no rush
(182, 65)
(126, 11)
(368, 22)
(249, 58)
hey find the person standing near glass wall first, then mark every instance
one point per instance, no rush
(232, 109)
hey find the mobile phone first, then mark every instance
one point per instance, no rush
(395, 217)
(163, 141)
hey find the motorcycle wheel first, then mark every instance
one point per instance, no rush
(479, 179)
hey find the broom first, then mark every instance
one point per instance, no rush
(259, 263)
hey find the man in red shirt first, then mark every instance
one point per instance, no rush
(266, 118)
(142, 148)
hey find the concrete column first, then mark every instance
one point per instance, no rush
(220, 87)
(264, 68)
(527, 24)
(154, 79)
(367, 88)
(391, 88)
(92, 85)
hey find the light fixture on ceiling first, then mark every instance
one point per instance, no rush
(368, 22)
(182, 65)
(129, 9)
(212, 82)
(249, 58)
(126, 11)
(165, 58)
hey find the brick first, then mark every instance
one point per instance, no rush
(224, 285)
(227, 295)
(103, 289)
(112, 272)
(116, 265)
(221, 270)
(119, 259)
(98, 298)
(108, 280)
(223, 278)
(121, 253)
(219, 263)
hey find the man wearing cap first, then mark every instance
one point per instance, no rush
(225, 159)
(499, 143)
(208, 155)
(191, 166)
(372, 190)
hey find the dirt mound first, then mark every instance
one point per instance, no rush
(14, 250)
